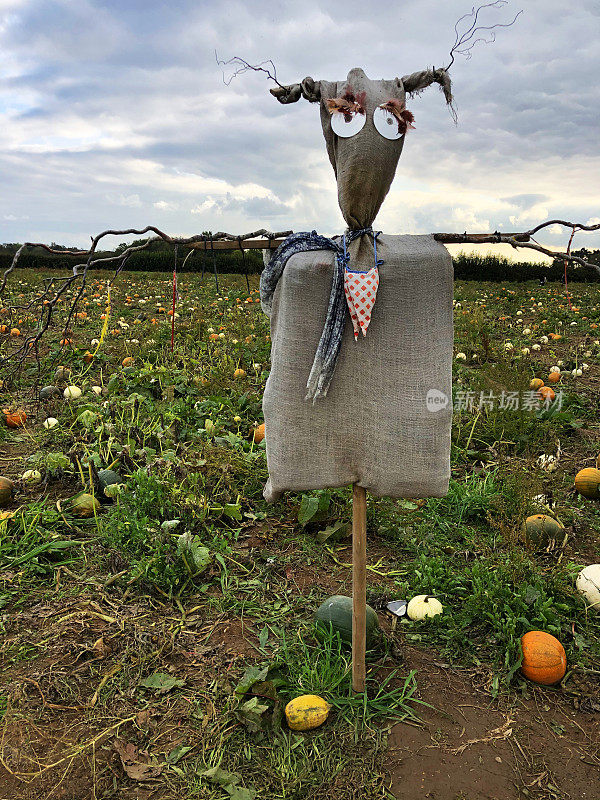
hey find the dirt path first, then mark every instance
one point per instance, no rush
(474, 748)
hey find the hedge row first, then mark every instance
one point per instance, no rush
(466, 267)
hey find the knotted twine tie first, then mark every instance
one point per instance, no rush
(331, 339)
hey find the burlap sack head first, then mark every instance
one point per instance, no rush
(364, 164)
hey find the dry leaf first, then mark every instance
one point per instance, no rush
(138, 764)
(100, 648)
(142, 719)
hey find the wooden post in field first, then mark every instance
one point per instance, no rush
(359, 586)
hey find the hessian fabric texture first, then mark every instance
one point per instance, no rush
(385, 422)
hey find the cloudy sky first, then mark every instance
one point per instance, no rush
(114, 113)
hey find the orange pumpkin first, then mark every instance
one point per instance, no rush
(3, 329)
(259, 433)
(554, 377)
(536, 383)
(587, 483)
(15, 332)
(65, 342)
(14, 419)
(546, 394)
(88, 357)
(544, 658)
(127, 361)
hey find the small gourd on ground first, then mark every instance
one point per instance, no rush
(587, 483)
(544, 658)
(32, 477)
(48, 392)
(259, 433)
(547, 394)
(335, 615)
(539, 529)
(15, 419)
(7, 488)
(106, 478)
(306, 712)
(424, 606)
(588, 584)
(72, 393)
(84, 505)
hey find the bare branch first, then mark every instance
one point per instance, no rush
(466, 41)
(517, 240)
(242, 66)
(56, 288)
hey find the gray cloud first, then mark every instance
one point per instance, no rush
(116, 114)
(526, 200)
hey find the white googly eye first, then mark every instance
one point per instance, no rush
(345, 129)
(386, 124)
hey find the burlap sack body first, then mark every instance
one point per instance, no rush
(383, 424)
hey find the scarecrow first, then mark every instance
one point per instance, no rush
(361, 328)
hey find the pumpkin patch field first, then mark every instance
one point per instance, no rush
(158, 617)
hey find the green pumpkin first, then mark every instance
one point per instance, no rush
(540, 529)
(335, 614)
(48, 392)
(107, 477)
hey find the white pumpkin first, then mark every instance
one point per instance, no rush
(72, 393)
(423, 606)
(588, 584)
(51, 422)
(97, 389)
(32, 476)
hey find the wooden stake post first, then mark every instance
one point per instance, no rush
(359, 586)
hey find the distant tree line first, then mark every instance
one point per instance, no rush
(499, 268)
(159, 257)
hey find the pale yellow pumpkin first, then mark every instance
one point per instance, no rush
(306, 712)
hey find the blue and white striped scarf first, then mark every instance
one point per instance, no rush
(331, 339)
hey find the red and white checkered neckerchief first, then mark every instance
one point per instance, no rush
(360, 289)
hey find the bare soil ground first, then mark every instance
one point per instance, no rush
(73, 661)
